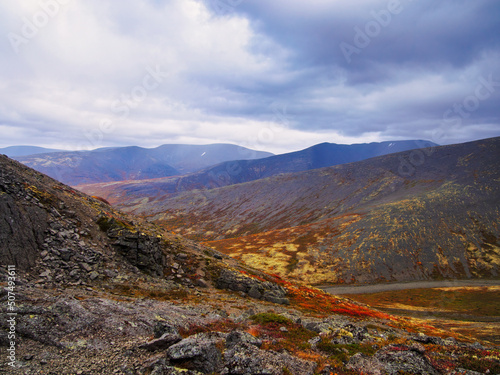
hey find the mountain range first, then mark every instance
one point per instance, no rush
(239, 171)
(415, 215)
(133, 163)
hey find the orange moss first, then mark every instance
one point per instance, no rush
(322, 302)
(252, 276)
(253, 330)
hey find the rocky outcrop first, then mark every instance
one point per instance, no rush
(236, 353)
(162, 367)
(61, 236)
(239, 337)
(245, 359)
(263, 290)
(143, 251)
(199, 352)
(42, 233)
(393, 360)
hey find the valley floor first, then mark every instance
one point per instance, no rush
(471, 309)
(376, 288)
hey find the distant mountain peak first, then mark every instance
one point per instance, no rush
(17, 151)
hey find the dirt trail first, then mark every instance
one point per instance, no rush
(376, 288)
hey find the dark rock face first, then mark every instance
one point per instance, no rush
(22, 224)
(266, 291)
(143, 251)
(57, 233)
(39, 230)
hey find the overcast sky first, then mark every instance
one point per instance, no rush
(275, 75)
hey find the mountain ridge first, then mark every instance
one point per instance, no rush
(241, 171)
(19, 151)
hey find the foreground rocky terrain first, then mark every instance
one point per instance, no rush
(93, 331)
(94, 291)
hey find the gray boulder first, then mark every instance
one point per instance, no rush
(254, 288)
(247, 359)
(393, 360)
(238, 337)
(198, 352)
(161, 328)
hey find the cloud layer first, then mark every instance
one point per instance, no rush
(279, 75)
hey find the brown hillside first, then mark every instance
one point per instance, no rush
(375, 220)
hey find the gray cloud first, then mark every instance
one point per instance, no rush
(270, 75)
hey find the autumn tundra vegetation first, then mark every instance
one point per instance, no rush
(226, 281)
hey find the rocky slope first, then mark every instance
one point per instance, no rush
(134, 163)
(383, 219)
(240, 171)
(57, 235)
(89, 290)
